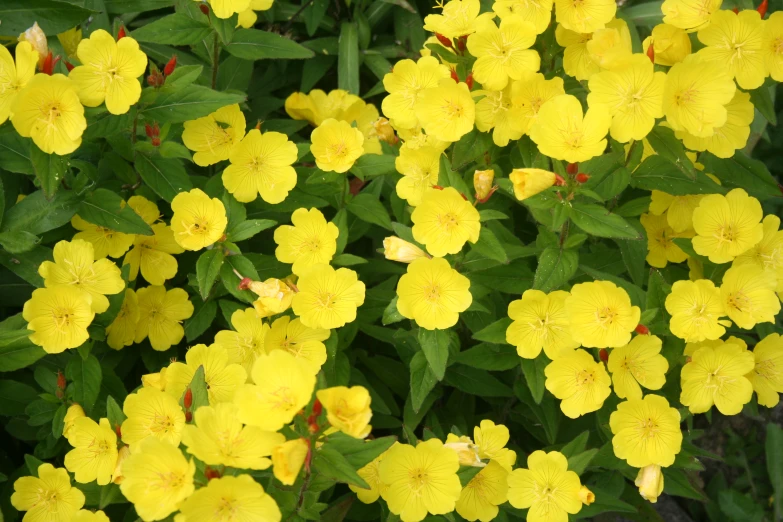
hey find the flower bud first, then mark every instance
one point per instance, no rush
(187, 401)
(121, 33)
(384, 131)
(74, 412)
(445, 42)
(642, 330)
(586, 496)
(60, 380)
(572, 168)
(669, 45)
(123, 454)
(69, 66)
(288, 459)
(37, 39)
(465, 449)
(650, 482)
(204, 9)
(603, 354)
(469, 80)
(274, 297)
(454, 75)
(763, 7)
(582, 177)
(482, 183)
(169, 68)
(529, 182)
(155, 380)
(396, 249)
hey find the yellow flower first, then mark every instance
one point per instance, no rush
(734, 40)
(661, 250)
(561, 131)
(48, 497)
(288, 458)
(639, 363)
(74, 412)
(419, 168)
(696, 309)
(601, 315)
(527, 97)
(48, 110)
(716, 375)
(396, 249)
(444, 222)
(458, 18)
(491, 440)
(198, 221)
(283, 386)
(610, 47)
(122, 331)
(670, 44)
(537, 12)
(748, 296)
(545, 488)
(74, 266)
(95, 451)
(157, 479)
(649, 480)
(152, 413)
(405, 84)
(309, 241)
(690, 348)
(347, 409)
(646, 431)
(633, 95)
(213, 137)
(481, 496)
(416, 138)
(695, 94)
(494, 111)
(579, 381)
(730, 136)
(161, 313)
(466, 451)
(117, 477)
(768, 253)
(766, 376)
(584, 16)
(14, 76)
(90, 516)
(274, 297)
(109, 72)
(152, 255)
(771, 48)
(689, 14)
(218, 438)
(246, 342)
(433, 294)
(586, 496)
(319, 106)
(364, 115)
(328, 298)
(336, 145)
(70, 41)
(447, 111)
(306, 344)
(529, 182)
(222, 378)
(229, 499)
(155, 380)
(105, 242)
(677, 209)
(503, 52)
(727, 226)
(577, 62)
(261, 164)
(59, 317)
(421, 479)
(540, 321)
(482, 183)
(371, 475)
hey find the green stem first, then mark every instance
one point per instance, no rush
(215, 59)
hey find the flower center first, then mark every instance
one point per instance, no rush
(281, 399)
(326, 299)
(766, 369)
(739, 301)
(685, 96)
(452, 110)
(161, 424)
(227, 509)
(432, 293)
(648, 429)
(170, 481)
(62, 317)
(418, 480)
(585, 378)
(605, 316)
(448, 221)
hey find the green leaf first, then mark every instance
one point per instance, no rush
(86, 375)
(174, 29)
(466, 474)
(774, 455)
(742, 172)
(739, 507)
(18, 241)
(188, 103)
(207, 270)
(476, 382)
(204, 313)
(555, 268)
(231, 281)
(53, 17)
(348, 58)
(367, 208)
(489, 246)
(658, 173)
(198, 389)
(183, 75)
(577, 445)
(348, 260)
(14, 397)
(330, 464)
(137, 6)
(423, 380)
(17, 350)
(597, 221)
(762, 101)
(166, 177)
(533, 370)
(249, 228)
(114, 412)
(373, 165)
(252, 44)
(488, 356)
(578, 463)
(490, 215)
(390, 314)
(36, 215)
(495, 332)
(107, 209)
(646, 14)
(605, 501)
(666, 145)
(225, 27)
(358, 452)
(50, 169)
(58, 422)
(676, 482)
(435, 345)
(14, 151)
(41, 412)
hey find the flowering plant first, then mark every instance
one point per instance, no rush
(531, 273)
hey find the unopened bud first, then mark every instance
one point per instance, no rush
(396, 249)
(69, 66)
(586, 496)
(211, 473)
(649, 480)
(482, 183)
(121, 33)
(446, 42)
(572, 168)
(384, 131)
(651, 52)
(60, 380)
(469, 80)
(762, 8)
(454, 75)
(245, 283)
(317, 407)
(274, 297)
(170, 66)
(204, 9)
(603, 354)
(462, 43)
(582, 177)
(735, 10)
(188, 416)
(355, 186)
(49, 64)
(642, 330)
(155, 78)
(123, 454)
(529, 182)
(148, 130)
(37, 40)
(187, 401)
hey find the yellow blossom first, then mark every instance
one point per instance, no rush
(347, 409)
(577, 61)
(545, 488)
(261, 165)
(601, 315)
(198, 221)
(95, 451)
(306, 344)
(457, 18)
(772, 45)
(371, 475)
(152, 413)
(730, 136)
(528, 95)
(122, 331)
(36, 37)
(481, 496)
(768, 253)
(482, 183)
(405, 84)
(59, 317)
(661, 250)
(288, 458)
(444, 222)
(529, 182)
(638, 364)
(503, 52)
(213, 137)
(161, 313)
(537, 12)
(539, 321)
(274, 297)
(309, 241)
(727, 226)
(646, 431)
(610, 47)
(748, 296)
(226, 8)
(152, 255)
(446, 111)
(15, 75)
(563, 133)
(74, 412)
(584, 16)
(716, 375)
(246, 342)
(649, 480)
(579, 381)
(696, 309)
(229, 499)
(433, 294)
(222, 378)
(689, 14)
(396, 249)
(106, 242)
(733, 41)
(766, 376)
(336, 145)
(670, 44)
(328, 298)
(48, 497)
(419, 168)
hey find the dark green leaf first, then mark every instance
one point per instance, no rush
(597, 221)
(249, 228)
(203, 315)
(435, 345)
(231, 280)
(36, 215)
(476, 382)
(489, 246)
(774, 456)
(348, 58)
(86, 375)
(50, 169)
(373, 165)
(423, 380)
(367, 208)
(166, 177)
(107, 209)
(188, 103)
(487, 356)
(533, 370)
(17, 350)
(14, 397)
(331, 464)
(41, 412)
(53, 17)
(495, 332)
(555, 268)
(174, 29)
(207, 270)
(743, 172)
(762, 101)
(359, 452)
(252, 44)
(739, 507)
(659, 173)
(58, 422)
(198, 390)
(18, 241)
(114, 412)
